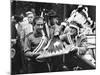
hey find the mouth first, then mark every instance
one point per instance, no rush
(39, 29)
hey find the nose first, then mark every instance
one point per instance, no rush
(41, 26)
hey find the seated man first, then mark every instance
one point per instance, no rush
(34, 42)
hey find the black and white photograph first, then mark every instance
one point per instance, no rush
(52, 37)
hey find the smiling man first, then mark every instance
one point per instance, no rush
(35, 42)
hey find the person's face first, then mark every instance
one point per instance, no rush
(30, 18)
(39, 24)
(72, 31)
(81, 30)
(55, 20)
(25, 20)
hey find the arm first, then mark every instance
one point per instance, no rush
(67, 38)
(27, 47)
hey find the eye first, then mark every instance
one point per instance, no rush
(38, 24)
(30, 17)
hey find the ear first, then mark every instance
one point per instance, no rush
(34, 27)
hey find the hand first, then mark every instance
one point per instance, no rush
(82, 51)
(31, 54)
(35, 54)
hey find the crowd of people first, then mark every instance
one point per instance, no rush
(31, 35)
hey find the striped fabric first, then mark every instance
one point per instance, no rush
(40, 45)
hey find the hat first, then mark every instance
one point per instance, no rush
(83, 10)
(52, 14)
(29, 12)
(74, 26)
(80, 6)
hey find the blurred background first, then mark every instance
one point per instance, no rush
(62, 10)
